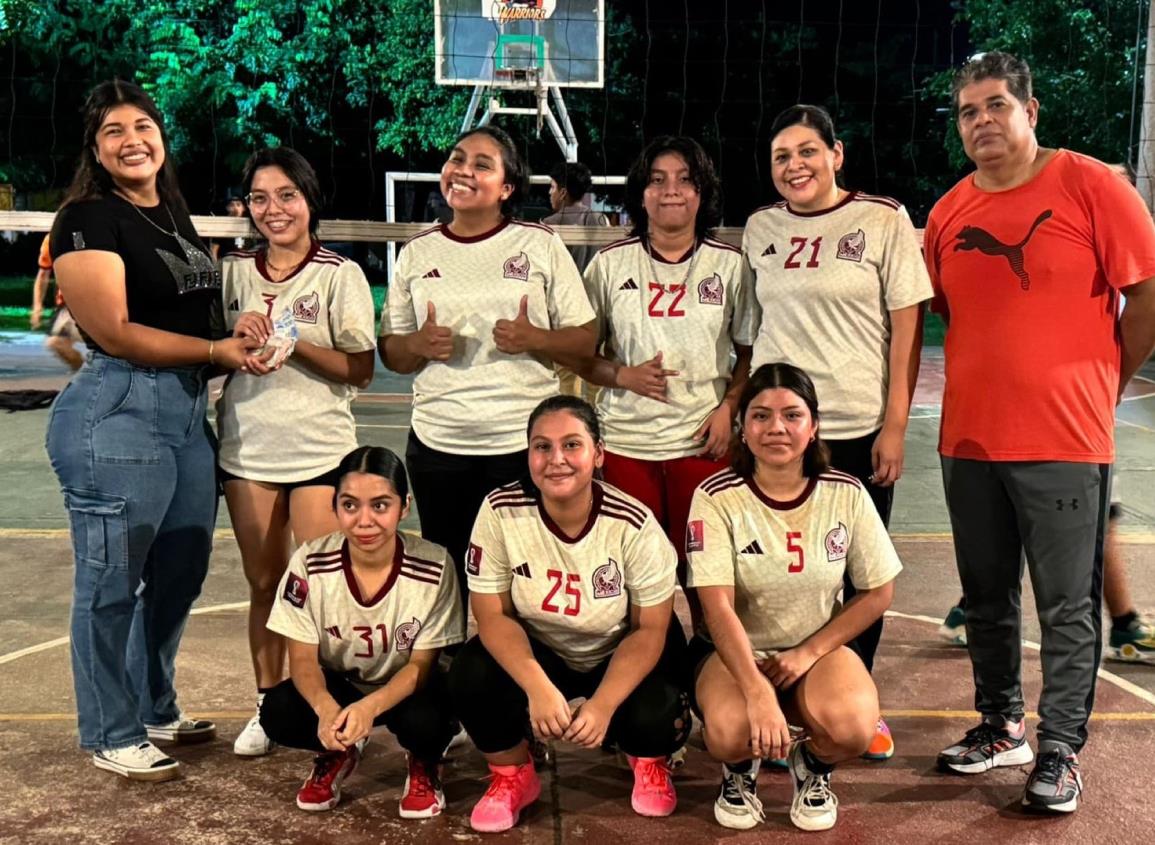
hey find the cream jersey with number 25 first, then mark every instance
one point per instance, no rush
(572, 594)
(785, 560)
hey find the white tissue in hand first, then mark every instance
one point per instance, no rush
(283, 339)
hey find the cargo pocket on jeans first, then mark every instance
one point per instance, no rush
(99, 525)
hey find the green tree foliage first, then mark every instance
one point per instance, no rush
(1083, 59)
(241, 73)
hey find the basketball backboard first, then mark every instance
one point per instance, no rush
(516, 43)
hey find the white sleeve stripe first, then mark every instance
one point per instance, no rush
(321, 571)
(406, 566)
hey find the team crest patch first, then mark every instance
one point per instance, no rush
(837, 542)
(516, 267)
(607, 580)
(710, 290)
(296, 590)
(307, 307)
(405, 634)
(473, 559)
(853, 246)
(695, 536)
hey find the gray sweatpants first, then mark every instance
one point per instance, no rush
(1055, 512)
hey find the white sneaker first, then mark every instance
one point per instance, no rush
(814, 806)
(737, 806)
(253, 741)
(183, 729)
(137, 762)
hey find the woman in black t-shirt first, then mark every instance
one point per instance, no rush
(127, 437)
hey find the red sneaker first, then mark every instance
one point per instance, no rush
(511, 790)
(322, 790)
(653, 793)
(423, 797)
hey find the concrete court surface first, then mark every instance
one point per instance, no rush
(56, 795)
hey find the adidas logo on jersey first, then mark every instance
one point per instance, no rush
(770, 250)
(432, 274)
(522, 570)
(235, 305)
(754, 548)
(334, 632)
(628, 284)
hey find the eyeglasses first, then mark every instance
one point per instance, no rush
(259, 201)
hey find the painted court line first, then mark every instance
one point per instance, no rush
(1110, 677)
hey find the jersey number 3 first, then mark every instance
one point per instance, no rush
(573, 596)
(676, 293)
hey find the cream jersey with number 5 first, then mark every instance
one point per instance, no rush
(785, 560)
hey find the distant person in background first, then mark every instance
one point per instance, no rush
(234, 207)
(569, 182)
(63, 336)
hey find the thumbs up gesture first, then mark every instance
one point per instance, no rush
(519, 334)
(432, 341)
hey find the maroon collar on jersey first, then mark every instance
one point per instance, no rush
(263, 264)
(657, 256)
(355, 591)
(472, 239)
(595, 509)
(774, 504)
(844, 201)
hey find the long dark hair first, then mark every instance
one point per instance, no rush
(91, 180)
(299, 171)
(374, 460)
(702, 174)
(579, 408)
(516, 170)
(816, 458)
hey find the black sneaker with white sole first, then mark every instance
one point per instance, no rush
(137, 762)
(1055, 785)
(737, 806)
(989, 744)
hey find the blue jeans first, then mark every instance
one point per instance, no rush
(135, 459)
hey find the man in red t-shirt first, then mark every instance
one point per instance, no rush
(1028, 257)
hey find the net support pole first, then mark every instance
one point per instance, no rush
(1145, 166)
(571, 147)
(471, 110)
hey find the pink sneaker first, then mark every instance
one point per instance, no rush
(511, 790)
(653, 793)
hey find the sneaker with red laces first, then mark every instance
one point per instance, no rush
(423, 797)
(511, 790)
(653, 793)
(322, 790)
(882, 746)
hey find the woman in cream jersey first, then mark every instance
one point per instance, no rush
(479, 309)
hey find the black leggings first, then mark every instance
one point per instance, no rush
(449, 490)
(853, 458)
(422, 723)
(653, 721)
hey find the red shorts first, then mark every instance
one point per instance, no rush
(665, 487)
